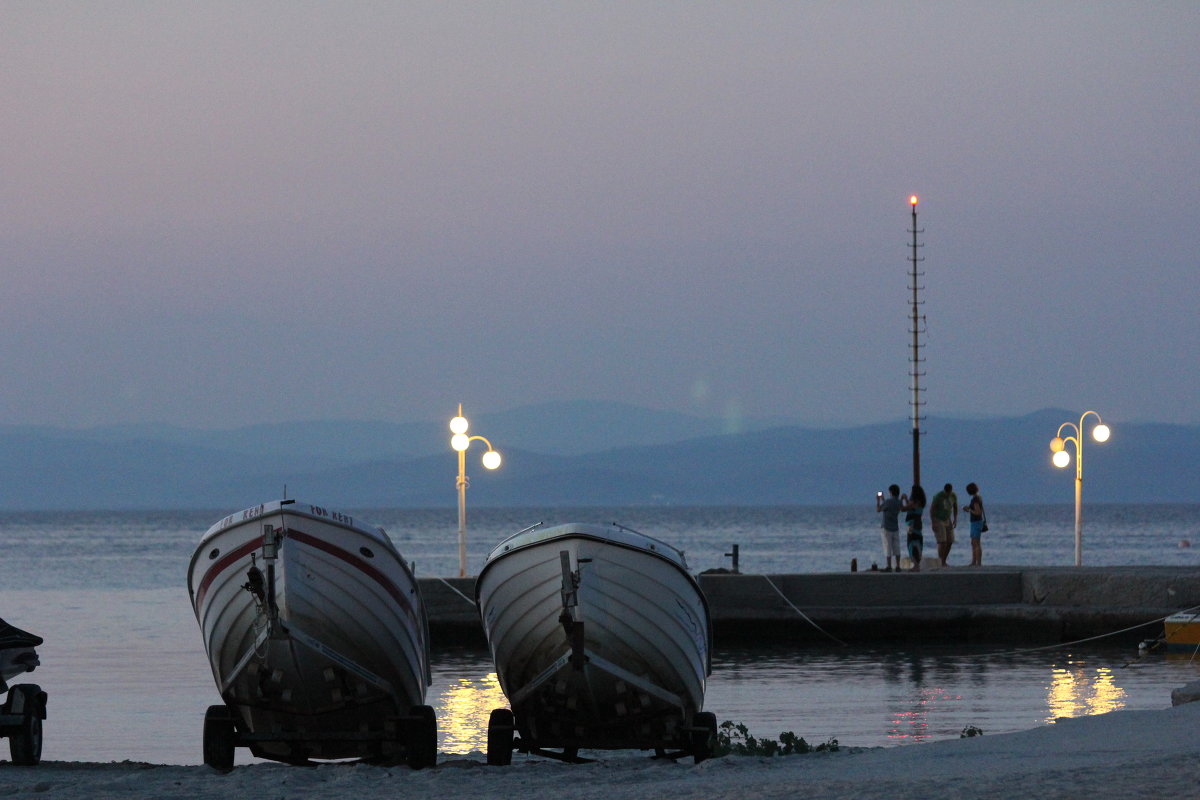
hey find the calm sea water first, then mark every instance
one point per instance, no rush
(128, 678)
(140, 550)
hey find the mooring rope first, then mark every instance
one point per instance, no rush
(1088, 639)
(803, 616)
(457, 592)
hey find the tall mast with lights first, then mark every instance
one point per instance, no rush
(916, 328)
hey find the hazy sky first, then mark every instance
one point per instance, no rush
(214, 214)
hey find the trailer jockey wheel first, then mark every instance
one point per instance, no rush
(422, 737)
(704, 735)
(500, 737)
(220, 738)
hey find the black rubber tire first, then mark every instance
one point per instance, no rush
(25, 745)
(500, 735)
(422, 737)
(220, 738)
(704, 735)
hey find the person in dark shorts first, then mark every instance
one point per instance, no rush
(942, 512)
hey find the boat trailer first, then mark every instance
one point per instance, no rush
(699, 737)
(224, 732)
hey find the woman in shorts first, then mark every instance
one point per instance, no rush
(975, 509)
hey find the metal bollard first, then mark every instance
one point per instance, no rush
(734, 556)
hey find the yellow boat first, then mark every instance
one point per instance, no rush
(1182, 631)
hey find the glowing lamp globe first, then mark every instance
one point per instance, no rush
(1061, 459)
(1101, 433)
(460, 441)
(1057, 444)
(913, 200)
(491, 459)
(459, 425)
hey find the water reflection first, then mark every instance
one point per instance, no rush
(463, 709)
(464, 692)
(912, 725)
(864, 697)
(1076, 691)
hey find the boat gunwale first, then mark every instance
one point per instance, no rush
(295, 507)
(284, 508)
(586, 530)
(596, 533)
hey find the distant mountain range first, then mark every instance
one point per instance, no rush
(581, 454)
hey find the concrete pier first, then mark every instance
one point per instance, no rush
(1042, 605)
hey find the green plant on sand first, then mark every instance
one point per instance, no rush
(735, 739)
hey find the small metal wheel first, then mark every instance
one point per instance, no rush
(500, 737)
(422, 737)
(704, 735)
(25, 743)
(220, 738)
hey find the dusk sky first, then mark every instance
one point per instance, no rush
(221, 213)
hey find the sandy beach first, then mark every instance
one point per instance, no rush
(1121, 754)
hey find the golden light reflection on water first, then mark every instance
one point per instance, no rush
(463, 706)
(1076, 691)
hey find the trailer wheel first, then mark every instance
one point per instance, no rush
(25, 743)
(704, 735)
(422, 737)
(220, 738)
(500, 737)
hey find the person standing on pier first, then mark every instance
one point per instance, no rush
(953, 505)
(914, 506)
(942, 511)
(890, 508)
(978, 521)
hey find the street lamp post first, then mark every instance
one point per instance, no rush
(1061, 458)
(460, 441)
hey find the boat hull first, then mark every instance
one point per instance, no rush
(1182, 632)
(600, 637)
(324, 651)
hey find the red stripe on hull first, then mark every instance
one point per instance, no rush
(221, 565)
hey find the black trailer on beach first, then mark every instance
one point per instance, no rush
(23, 711)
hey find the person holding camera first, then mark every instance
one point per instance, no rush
(890, 508)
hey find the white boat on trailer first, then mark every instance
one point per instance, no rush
(601, 639)
(317, 636)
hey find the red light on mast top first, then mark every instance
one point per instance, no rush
(913, 201)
